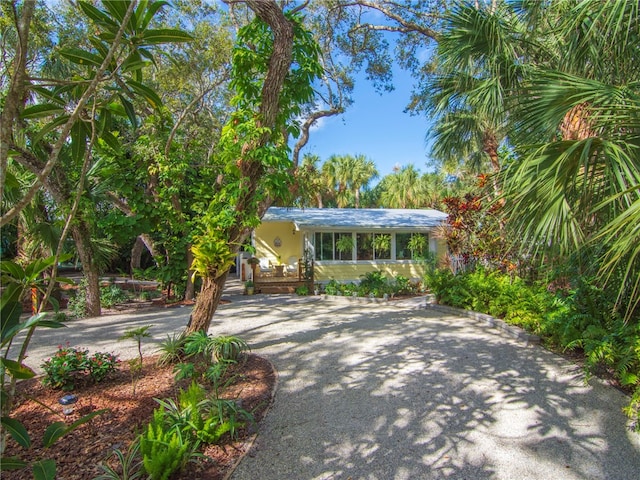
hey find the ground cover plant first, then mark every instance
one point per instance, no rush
(580, 318)
(373, 285)
(110, 441)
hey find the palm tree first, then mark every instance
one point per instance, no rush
(577, 184)
(475, 69)
(402, 188)
(337, 174)
(362, 172)
(311, 186)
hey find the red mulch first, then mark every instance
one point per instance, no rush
(79, 453)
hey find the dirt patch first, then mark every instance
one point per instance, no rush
(78, 454)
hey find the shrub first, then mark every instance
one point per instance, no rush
(163, 448)
(373, 282)
(302, 290)
(78, 302)
(171, 350)
(112, 295)
(332, 287)
(69, 364)
(229, 348)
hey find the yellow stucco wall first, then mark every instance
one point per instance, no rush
(291, 245)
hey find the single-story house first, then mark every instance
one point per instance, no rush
(345, 243)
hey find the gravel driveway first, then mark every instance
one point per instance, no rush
(396, 391)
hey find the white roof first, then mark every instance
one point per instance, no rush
(356, 218)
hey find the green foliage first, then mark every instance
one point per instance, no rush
(70, 364)
(332, 287)
(137, 334)
(77, 305)
(402, 286)
(17, 281)
(302, 290)
(178, 428)
(373, 282)
(164, 450)
(112, 295)
(129, 464)
(418, 245)
(171, 349)
(228, 348)
(109, 297)
(199, 344)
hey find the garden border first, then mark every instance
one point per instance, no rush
(511, 330)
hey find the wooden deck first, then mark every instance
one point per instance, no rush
(282, 282)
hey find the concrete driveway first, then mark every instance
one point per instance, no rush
(396, 391)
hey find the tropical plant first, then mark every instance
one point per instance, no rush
(228, 348)
(171, 349)
(129, 464)
(69, 364)
(112, 295)
(164, 449)
(137, 334)
(17, 281)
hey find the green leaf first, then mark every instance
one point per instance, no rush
(57, 430)
(44, 470)
(17, 370)
(81, 57)
(49, 95)
(150, 95)
(111, 140)
(131, 113)
(17, 431)
(12, 463)
(78, 140)
(165, 35)
(117, 8)
(97, 15)
(151, 11)
(58, 121)
(53, 433)
(41, 110)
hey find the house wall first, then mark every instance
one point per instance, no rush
(290, 244)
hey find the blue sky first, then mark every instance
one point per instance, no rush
(377, 127)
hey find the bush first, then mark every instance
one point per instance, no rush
(112, 295)
(70, 364)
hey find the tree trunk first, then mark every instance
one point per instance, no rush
(190, 289)
(251, 170)
(206, 305)
(16, 93)
(136, 254)
(82, 238)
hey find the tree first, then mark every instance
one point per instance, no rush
(475, 71)
(576, 183)
(274, 65)
(363, 171)
(51, 126)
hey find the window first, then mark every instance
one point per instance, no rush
(339, 246)
(411, 245)
(364, 246)
(324, 245)
(344, 246)
(333, 246)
